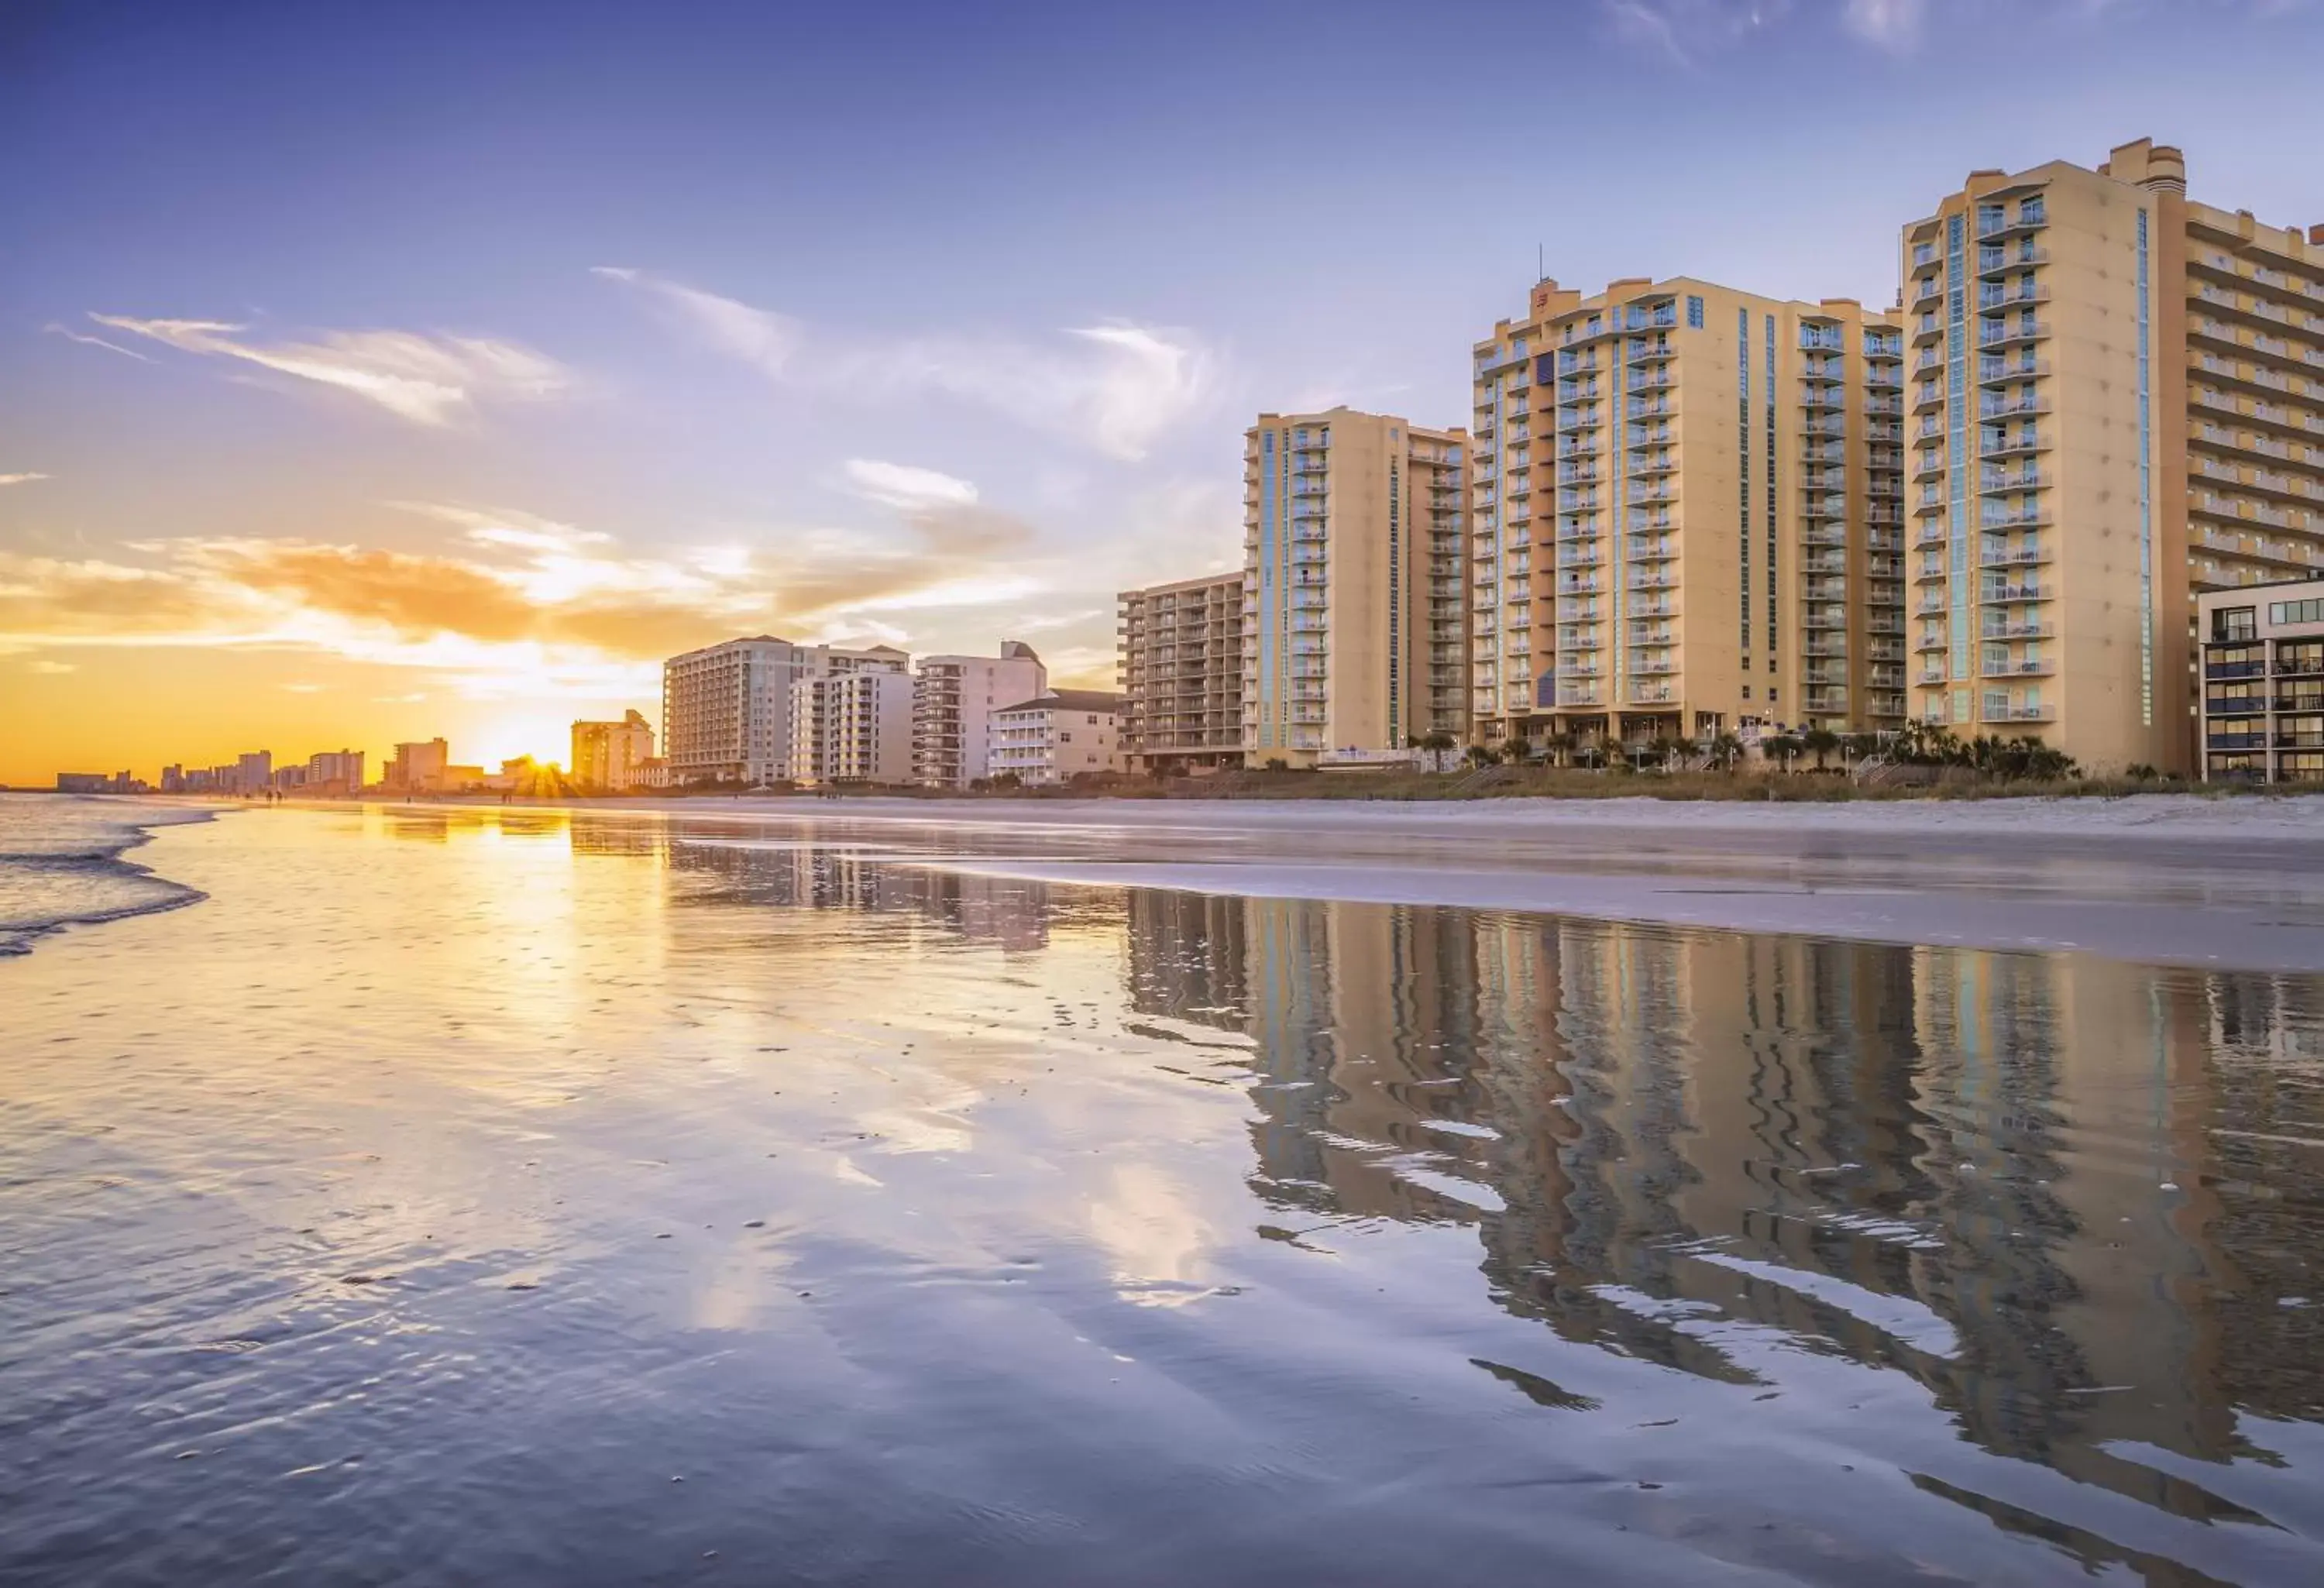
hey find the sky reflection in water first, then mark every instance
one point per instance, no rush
(464, 1195)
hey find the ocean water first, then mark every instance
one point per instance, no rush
(61, 863)
(517, 1197)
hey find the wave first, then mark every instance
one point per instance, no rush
(61, 865)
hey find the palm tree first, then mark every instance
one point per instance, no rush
(1723, 751)
(1786, 748)
(1437, 744)
(1819, 742)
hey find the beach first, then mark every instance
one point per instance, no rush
(869, 1193)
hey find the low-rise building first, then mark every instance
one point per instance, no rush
(1057, 737)
(2261, 717)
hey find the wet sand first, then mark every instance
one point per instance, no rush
(518, 1196)
(2164, 880)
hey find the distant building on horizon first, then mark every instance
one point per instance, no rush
(336, 773)
(254, 771)
(726, 708)
(953, 701)
(1057, 737)
(418, 767)
(612, 756)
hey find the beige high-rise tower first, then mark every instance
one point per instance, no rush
(2118, 400)
(1354, 622)
(1686, 516)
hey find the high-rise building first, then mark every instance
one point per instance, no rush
(1181, 669)
(2118, 401)
(612, 756)
(254, 771)
(726, 708)
(418, 767)
(855, 726)
(1354, 628)
(338, 771)
(953, 701)
(1686, 516)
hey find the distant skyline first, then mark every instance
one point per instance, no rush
(368, 375)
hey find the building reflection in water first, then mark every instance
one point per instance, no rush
(2074, 1197)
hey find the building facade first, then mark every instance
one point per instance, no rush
(1181, 674)
(1686, 516)
(2262, 713)
(419, 766)
(853, 726)
(1057, 737)
(2118, 401)
(1354, 627)
(612, 756)
(953, 701)
(726, 708)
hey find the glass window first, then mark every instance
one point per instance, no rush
(2281, 612)
(1694, 312)
(2239, 622)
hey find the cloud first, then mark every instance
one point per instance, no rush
(88, 341)
(1688, 33)
(1684, 30)
(900, 485)
(304, 688)
(429, 379)
(20, 479)
(755, 335)
(1117, 386)
(507, 602)
(52, 669)
(1893, 25)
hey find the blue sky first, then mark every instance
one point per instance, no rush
(401, 369)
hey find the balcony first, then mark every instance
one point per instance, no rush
(1999, 594)
(2025, 517)
(2002, 372)
(1995, 261)
(2026, 478)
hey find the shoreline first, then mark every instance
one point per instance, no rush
(18, 938)
(2289, 819)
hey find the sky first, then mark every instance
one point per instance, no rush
(373, 373)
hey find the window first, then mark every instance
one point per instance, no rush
(2240, 622)
(2278, 612)
(1694, 312)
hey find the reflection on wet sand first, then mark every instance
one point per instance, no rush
(946, 1226)
(2079, 1200)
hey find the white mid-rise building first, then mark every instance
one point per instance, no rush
(726, 708)
(853, 726)
(1057, 737)
(953, 698)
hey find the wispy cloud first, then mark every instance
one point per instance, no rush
(427, 378)
(51, 669)
(900, 485)
(1690, 33)
(86, 340)
(755, 335)
(21, 479)
(1894, 26)
(304, 688)
(1117, 386)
